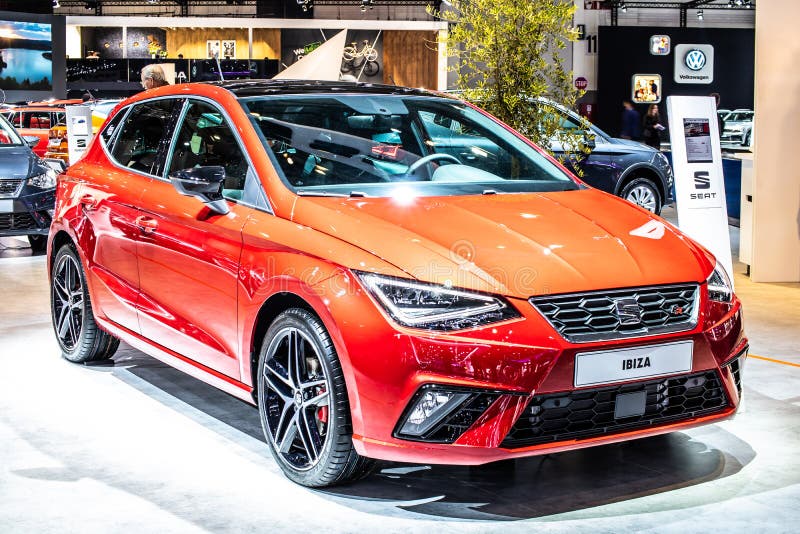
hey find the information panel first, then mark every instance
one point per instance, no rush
(699, 183)
(79, 131)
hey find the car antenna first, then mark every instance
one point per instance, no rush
(219, 67)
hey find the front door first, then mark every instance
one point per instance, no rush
(189, 256)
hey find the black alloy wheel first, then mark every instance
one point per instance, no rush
(303, 403)
(79, 337)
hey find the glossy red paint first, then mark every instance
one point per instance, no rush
(188, 286)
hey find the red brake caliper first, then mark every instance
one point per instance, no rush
(322, 413)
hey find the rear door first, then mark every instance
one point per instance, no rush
(189, 257)
(110, 192)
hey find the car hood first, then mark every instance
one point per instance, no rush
(517, 245)
(632, 145)
(17, 162)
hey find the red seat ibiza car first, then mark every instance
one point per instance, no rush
(387, 274)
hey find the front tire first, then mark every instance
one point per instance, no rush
(302, 400)
(643, 193)
(78, 335)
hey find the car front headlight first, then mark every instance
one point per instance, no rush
(46, 180)
(434, 307)
(720, 288)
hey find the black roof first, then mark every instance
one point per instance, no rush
(244, 88)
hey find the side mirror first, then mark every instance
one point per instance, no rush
(31, 140)
(204, 183)
(588, 140)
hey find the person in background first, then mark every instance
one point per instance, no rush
(652, 127)
(153, 76)
(630, 121)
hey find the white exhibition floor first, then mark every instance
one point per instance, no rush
(138, 447)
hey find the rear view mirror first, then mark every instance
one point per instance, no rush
(204, 183)
(31, 140)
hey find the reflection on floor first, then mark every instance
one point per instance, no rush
(137, 446)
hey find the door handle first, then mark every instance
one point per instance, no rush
(88, 202)
(146, 224)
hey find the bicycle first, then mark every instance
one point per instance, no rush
(353, 58)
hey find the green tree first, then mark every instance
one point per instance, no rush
(508, 57)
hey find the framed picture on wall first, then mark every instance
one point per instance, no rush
(212, 48)
(646, 89)
(229, 49)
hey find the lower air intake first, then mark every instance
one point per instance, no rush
(590, 412)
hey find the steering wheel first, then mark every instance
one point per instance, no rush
(427, 159)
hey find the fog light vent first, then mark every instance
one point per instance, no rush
(440, 414)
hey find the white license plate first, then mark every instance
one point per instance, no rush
(6, 206)
(620, 365)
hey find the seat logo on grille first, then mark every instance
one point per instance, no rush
(628, 311)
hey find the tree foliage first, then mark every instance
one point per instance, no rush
(508, 57)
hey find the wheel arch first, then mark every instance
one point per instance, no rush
(270, 309)
(642, 171)
(60, 239)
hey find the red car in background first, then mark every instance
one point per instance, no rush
(36, 118)
(387, 274)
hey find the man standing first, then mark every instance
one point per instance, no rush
(153, 76)
(630, 122)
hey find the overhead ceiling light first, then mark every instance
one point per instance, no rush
(699, 14)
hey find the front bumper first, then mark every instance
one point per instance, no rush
(29, 213)
(524, 361)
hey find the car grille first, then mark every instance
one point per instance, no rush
(590, 412)
(17, 221)
(9, 187)
(584, 317)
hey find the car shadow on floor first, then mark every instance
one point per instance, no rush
(525, 488)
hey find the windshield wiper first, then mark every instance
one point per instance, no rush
(351, 194)
(303, 193)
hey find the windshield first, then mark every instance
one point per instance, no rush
(365, 144)
(8, 135)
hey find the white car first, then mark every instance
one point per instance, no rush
(739, 127)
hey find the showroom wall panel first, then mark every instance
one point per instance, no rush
(776, 191)
(192, 42)
(398, 49)
(624, 51)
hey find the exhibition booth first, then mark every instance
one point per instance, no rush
(107, 57)
(287, 301)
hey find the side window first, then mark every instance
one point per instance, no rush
(205, 139)
(112, 127)
(14, 118)
(141, 133)
(38, 119)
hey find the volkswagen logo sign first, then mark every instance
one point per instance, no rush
(695, 59)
